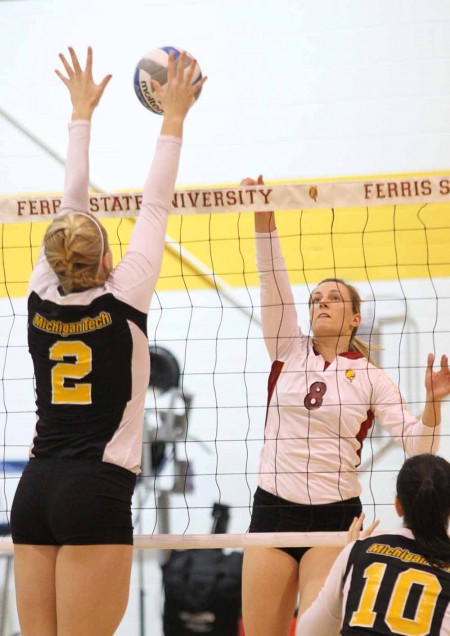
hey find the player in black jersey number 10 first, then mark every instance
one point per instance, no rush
(395, 583)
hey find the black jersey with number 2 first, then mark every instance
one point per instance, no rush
(90, 348)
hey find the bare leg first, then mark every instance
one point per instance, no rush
(34, 570)
(314, 568)
(269, 591)
(92, 586)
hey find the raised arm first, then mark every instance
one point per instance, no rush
(138, 272)
(278, 312)
(85, 96)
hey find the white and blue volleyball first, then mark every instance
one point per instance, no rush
(153, 66)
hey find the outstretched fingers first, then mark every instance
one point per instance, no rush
(75, 62)
(181, 66)
(183, 70)
(104, 83)
(354, 532)
(444, 370)
(89, 58)
(68, 69)
(355, 528)
(61, 77)
(198, 85)
(251, 182)
(368, 531)
(85, 94)
(189, 74)
(171, 67)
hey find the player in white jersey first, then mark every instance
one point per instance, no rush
(396, 583)
(87, 333)
(323, 395)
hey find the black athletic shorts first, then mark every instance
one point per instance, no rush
(274, 514)
(73, 502)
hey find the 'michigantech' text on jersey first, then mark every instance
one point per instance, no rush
(90, 348)
(383, 586)
(318, 414)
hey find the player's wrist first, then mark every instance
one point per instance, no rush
(82, 113)
(172, 126)
(430, 397)
(174, 118)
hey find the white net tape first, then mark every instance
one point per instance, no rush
(370, 192)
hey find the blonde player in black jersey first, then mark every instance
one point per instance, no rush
(87, 333)
(394, 583)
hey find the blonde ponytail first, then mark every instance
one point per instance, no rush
(74, 246)
(362, 347)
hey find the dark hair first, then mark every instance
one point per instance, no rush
(356, 344)
(423, 489)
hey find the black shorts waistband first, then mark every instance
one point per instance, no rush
(73, 466)
(275, 514)
(263, 497)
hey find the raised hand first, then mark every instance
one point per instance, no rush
(250, 181)
(437, 383)
(264, 221)
(85, 94)
(354, 532)
(178, 94)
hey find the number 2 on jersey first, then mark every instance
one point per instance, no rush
(394, 617)
(79, 393)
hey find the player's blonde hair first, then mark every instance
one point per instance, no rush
(356, 344)
(74, 246)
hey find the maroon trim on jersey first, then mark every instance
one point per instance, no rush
(275, 372)
(362, 433)
(351, 355)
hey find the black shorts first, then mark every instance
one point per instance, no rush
(73, 502)
(274, 514)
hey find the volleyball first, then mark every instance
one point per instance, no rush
(153, 66)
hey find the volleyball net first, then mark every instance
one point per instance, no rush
(206, 403)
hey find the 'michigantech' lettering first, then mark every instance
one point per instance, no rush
(72, 328)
